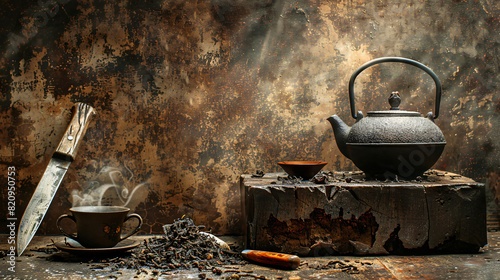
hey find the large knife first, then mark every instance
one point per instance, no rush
(53, 175)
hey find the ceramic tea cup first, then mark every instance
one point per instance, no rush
(99, 226)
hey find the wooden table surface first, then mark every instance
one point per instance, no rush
(483, 265)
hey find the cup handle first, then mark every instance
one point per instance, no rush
(62, 217)
(134, 215)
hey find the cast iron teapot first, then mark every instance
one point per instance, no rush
(394, 143)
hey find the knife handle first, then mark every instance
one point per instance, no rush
(272, 258)
(75, 131)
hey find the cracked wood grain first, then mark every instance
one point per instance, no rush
(365, 218)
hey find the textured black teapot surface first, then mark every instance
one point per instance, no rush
(393, 142)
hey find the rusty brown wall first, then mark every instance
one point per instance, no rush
(191, 94)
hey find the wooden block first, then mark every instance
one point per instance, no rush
(445, 213)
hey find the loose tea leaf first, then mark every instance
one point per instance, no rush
(183, 246)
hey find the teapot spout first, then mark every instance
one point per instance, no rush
(341, 131)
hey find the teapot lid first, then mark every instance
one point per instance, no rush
(394, 114)
(394, 101)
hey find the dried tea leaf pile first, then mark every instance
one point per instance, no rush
(182, 247)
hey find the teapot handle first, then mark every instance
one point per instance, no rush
(394, 59)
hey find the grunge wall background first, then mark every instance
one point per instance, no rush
(191, 94)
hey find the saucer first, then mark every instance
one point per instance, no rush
(72, 246)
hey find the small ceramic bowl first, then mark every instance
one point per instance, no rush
(304, 169)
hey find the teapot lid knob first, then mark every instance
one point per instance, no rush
(394, 100)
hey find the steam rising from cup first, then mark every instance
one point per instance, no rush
(110, 187)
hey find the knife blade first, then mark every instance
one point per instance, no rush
(53, 175)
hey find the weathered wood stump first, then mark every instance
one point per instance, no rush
(348, 215)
